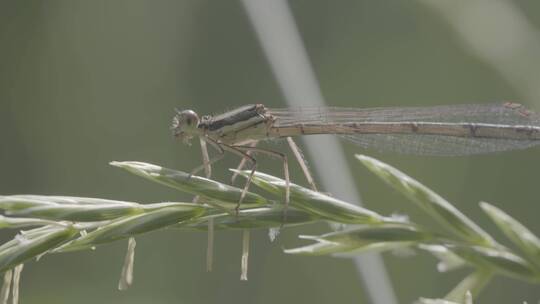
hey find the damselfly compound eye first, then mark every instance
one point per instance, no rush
(184, 124)
(189, 117)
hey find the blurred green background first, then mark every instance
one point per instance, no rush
(83, 83)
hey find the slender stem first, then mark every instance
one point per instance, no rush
(126, 277)
(16, 279)
(245, 254)
(6, 286)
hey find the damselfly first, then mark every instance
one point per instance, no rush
(439, 130)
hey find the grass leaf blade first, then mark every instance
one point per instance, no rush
(429, 201)
(472, 284)
(24, 248)
(499, 260)
(320, 204)
(364, 239)
(132, 225)
(227, 195)
(515, 231)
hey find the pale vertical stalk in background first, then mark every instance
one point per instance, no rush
(276, 30)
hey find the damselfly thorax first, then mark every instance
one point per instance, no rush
(240, 126)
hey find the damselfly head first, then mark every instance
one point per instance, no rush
(185, 125)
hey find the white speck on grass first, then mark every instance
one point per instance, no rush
(273, 233)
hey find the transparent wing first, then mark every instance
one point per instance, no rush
(505, 115)
(436, 145)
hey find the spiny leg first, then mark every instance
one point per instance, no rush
(285, 171)
(235, 150)
(207, 161)
(242, 163)
(206, 158)
(302, 162)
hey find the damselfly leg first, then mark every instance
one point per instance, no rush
(207, 161)
(242, 163)
(302, 162)
(221, 148)
(245, 153)
(285, 162)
